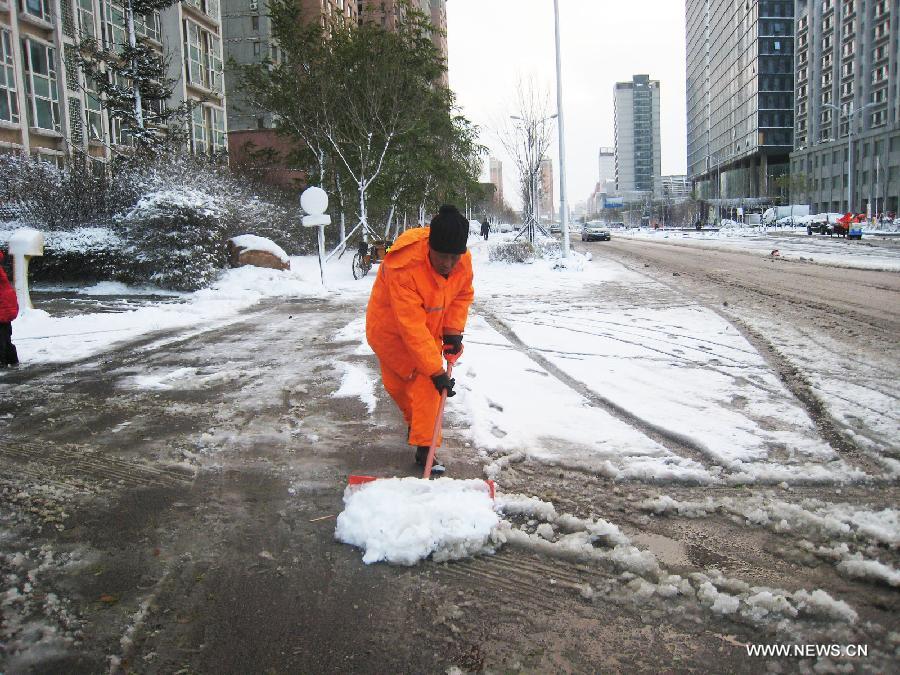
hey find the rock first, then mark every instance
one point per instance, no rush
(239, 255)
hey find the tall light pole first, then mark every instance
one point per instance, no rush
(563, 207)
(851, 123)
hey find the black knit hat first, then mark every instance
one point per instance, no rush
(449, 231)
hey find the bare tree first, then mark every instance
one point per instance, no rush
(526, 137)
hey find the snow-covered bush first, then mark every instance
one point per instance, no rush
(39, 194)
(83, 253)
(175, 239)
(195, 205)
(548, 247)
(517, 251)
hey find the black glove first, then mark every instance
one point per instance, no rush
(443, 381)
(452, 344)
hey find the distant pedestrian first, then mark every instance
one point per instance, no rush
(698, 225)
(9, 310)
(485, 227)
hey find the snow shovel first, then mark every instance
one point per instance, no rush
(438, 423)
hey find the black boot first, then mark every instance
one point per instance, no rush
(437, 467)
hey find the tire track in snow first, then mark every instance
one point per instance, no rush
(788, 374)
(802, 389)
(673, 441)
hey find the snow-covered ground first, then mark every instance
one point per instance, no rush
(790, 243)
(589, 367)
(614, 340)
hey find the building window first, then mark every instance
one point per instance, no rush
(113, 19)
(204, 57)
(40, 85)
(199, 130)
(879, 118)
(214, 67)
(217, 128)
(256, 49)
(93, 111)
(254, 22)
(148, 25)
(9, 104)
(40, 9)
(208, 129)
(86, 19)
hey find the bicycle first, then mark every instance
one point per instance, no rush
(367, 255)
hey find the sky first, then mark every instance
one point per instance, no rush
(495, 43)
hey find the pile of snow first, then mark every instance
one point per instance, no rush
(404, 520)
(251, 242)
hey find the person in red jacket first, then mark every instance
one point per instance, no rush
(416, 317)
(9, 310)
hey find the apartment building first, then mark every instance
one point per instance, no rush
(387, 12)
(847, 60)
(638, 150)
(49, 109)
(740, 89)
(249, 38)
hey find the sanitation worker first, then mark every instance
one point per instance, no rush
(416, 318)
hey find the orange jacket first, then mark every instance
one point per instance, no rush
(411, 306)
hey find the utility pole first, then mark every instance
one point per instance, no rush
(563, 207)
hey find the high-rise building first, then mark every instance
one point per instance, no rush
(607, 165)
(249, 39)
(848, 57)
(545, 190)
(496, 171)
(638, 148)
(47, 106)
(740, 59)
(387, 12)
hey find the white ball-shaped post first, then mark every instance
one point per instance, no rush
(314, 201)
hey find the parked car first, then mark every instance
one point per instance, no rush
(595, 232)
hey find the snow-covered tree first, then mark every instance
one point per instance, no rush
(131, 79)
(366, 104)
(526, 137)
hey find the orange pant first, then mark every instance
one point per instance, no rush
(418, 400)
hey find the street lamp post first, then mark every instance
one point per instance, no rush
(562, 140)
(851, 168)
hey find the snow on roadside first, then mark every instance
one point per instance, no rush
(357, 381)
(506, 403)
(43, 338)
(811, 519)
(668, 361)
(791, 243)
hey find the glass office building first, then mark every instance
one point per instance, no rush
(740, 98)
